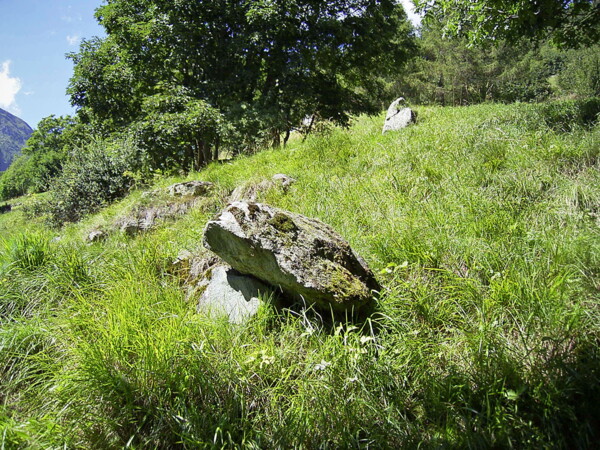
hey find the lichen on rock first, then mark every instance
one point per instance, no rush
(303, 257)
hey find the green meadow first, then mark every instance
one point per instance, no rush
(483, 225)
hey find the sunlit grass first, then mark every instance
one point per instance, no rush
(482, 223)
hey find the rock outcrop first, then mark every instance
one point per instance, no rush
(398, 117)
(190, 188)
(251, 191)
(162, 204)
(301, 256)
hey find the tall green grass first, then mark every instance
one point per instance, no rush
(482, 223)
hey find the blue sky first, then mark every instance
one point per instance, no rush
(35, 35)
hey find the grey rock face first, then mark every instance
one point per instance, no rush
(302, 256)
(232, 294)
(191, 188)
(398, 117)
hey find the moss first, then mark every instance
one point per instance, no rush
(283, 223)
(344, 286)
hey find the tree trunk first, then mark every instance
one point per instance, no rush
(276, 136)
(216, 150)
(206, 153)
(310, 125)
(199, 156)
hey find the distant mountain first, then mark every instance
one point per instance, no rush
(13, 134)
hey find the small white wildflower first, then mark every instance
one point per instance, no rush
(322, 365)
(365, 339)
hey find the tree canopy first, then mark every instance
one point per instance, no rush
(263, 65)
(569, 23)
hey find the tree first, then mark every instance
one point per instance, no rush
(263, 65)
(177, 130)
(43, 156)
(449, 71)
(103, 85)
(569, 23)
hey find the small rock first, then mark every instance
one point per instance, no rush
(190, 188)
(232, 294)
(397, 117)
(250, 192)
(131, 227)
(302, 256)
(283, 180)
(96, 236)
(150, 194)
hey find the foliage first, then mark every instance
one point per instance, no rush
(103, 86)
(16, 180)
(568, 23)
(93, 176)
(581, 75)
(178, 131)
(42, 156)
(482, 224)
(448, 71)
(263, 65)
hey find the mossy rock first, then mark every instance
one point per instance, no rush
(303, 257)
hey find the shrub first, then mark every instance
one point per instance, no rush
(570, 114)
(15, 180)
(93, 177)
(581, 75)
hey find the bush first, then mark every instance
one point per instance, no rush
(15, 180)
(568, 115)
(581, 75)
(93, 177)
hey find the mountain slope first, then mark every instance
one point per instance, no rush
(13, 134)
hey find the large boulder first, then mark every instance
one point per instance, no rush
(303, 257)
(398, 117)
(232, 294)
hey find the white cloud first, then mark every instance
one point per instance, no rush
(409, 7)
(9, 88)
(73, 39)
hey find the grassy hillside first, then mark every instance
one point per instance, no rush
(483, 224)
